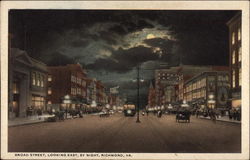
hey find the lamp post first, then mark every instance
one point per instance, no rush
(67, 101)
(138, 95)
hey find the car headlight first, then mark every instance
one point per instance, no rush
(128, 111)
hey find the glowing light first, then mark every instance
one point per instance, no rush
(150, 36)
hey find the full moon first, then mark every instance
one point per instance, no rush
(150, 36)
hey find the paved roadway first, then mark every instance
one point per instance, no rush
(121, 134)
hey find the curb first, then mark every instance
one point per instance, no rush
(29, 123)
(23, 124)
(221, 120)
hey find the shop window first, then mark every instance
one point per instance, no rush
(38, 102)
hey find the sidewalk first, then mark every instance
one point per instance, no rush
(224, 119)
(27, 120)
(31, 120)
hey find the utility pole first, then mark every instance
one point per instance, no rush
(138, 94)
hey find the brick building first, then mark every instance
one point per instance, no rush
(68, 80)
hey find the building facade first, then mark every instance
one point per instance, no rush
(69, 80)
(165, 80)
(208, 90)
(235, 59)
(27, 83)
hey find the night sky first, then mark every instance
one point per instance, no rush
(110, 44)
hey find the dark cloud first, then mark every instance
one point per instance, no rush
(108, 64)
(118, 29)
(57, 59)
(80, 43)
(108, 37)
(123, 60)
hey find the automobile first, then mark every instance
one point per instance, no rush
(129, 112)
(104, 114)
(183, 115)
(111, 112)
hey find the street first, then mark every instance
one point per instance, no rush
(121, 134)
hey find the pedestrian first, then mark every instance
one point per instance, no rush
(147, 112)
(234, 114)
(39, 111)
(213, 116)
(197, 113)
(230, 114)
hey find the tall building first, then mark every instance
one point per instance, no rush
(235, 53)
(186, 72)
(69, 80)
(27, 83)
(165, 79)
(208, 89)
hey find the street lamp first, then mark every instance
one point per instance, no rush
(138, 94)
(67, 101)
(211, 101)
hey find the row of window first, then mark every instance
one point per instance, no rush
(234, 36)
(78, 80)
(38, 79)
(196, 85)
(198, 94)
(78, 91)
(234, 78)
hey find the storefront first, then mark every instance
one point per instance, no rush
(38, 102)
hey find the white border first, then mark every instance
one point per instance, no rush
(141, 5)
